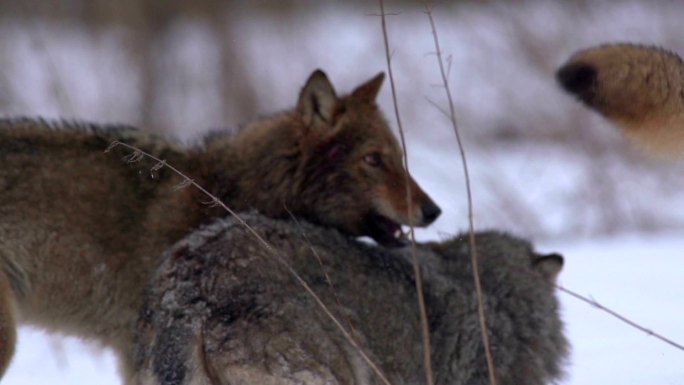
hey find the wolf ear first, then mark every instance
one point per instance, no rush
(549, 265)
(368, 91)
(317, 100)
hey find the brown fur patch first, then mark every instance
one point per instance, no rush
(81, 231)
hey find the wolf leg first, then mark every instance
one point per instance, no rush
(8, 329)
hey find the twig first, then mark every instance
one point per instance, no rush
(590, 301)
(425, 328)
(325, 273)
(471, 225)
(267, 246)
(209, 369)
(622, 318)
(320, 263)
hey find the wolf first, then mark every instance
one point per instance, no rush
(639, 88)
(81, 231)
(224, 309)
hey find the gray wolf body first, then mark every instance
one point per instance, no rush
(223, 310)
(81, 230)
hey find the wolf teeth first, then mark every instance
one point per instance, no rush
(400, 235)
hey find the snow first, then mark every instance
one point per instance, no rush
(556, 195)
(49, 359)
(635, 275)
(638, 276)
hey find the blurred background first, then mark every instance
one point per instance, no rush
(542, 166)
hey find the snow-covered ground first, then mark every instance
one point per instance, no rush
(638, 276)
(562, 193)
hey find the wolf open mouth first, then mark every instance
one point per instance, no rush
(385, 231)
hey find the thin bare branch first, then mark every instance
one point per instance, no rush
(320, 263)
(438, 107)
(209, 369)
(272, 250)
(111, 146)
(158, 166)
(471, 222)
(183, 184)
(134, 157)
(385, 14)
(425, 328)
(325, 273)
(622, 318)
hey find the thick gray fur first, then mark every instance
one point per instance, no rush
(224, 310)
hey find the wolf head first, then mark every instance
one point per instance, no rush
(499, 252)
(639, 88)
(354, 177)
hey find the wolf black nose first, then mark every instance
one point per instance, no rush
(430, 211)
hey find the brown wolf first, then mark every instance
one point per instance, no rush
(639, 88)
(80, 231)
(223, 310)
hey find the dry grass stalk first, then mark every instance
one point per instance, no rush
(323, 270)
(425, 328)
(471, 225)
(622, 318)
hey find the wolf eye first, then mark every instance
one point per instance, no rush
(373, 159)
